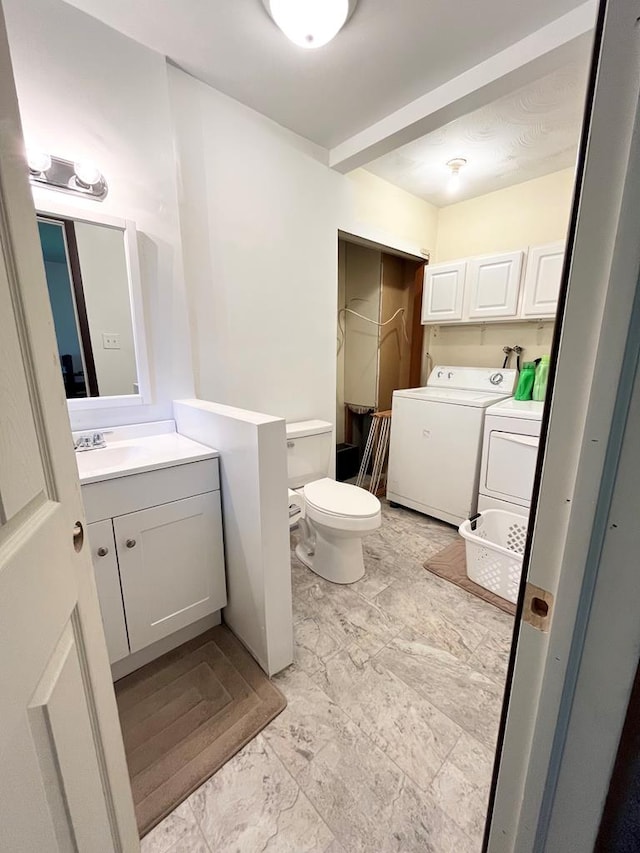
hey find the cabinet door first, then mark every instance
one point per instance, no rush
(542, 280)
(105, 566)
(172, 566)
(443, 292)
(494, 286)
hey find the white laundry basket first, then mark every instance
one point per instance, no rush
(494, 541)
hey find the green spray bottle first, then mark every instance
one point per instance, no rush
(526, 381)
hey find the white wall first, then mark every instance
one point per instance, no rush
(87, 92)
(253, 475)
(380, 211)
(260, 213)
(105, 284)
(260, 250)
(525, 214)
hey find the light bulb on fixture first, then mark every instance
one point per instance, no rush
(455, 166)
(38, 162)
(310, 23)
(87, 174)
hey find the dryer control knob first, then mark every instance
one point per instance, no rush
(496, 378)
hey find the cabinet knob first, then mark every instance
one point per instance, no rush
(130, 543)
(102, 552)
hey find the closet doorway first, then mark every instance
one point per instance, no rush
(379, 340)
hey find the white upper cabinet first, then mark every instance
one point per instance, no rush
(493, 284)
(542, 280)
(443, 296)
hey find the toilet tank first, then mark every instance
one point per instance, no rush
(309, 451)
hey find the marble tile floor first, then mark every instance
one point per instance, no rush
(387, 741)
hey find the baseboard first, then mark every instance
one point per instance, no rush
(132, 662)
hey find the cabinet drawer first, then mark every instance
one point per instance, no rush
(105, 567)
(122, 495)
(171, 566)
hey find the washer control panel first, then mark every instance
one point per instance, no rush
(474, 379)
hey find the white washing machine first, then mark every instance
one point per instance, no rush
(436, 440)
(509, 454)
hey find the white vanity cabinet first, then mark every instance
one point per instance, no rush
(542, 280)
(105, 565)
(493, 283)
(171, 566)
(443, 294)
(157, 546)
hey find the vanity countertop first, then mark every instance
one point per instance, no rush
(134, 455)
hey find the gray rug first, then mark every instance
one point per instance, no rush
(451, 564)
(187, 713)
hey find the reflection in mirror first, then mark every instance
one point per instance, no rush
(88, 282)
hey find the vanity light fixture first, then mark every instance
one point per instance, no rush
(87, 174)
(38, 161)
(455, 166)
(310, 23)
(80, 178)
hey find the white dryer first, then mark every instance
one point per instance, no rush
(436, 440)
(509, 454)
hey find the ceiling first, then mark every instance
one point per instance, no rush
(388, 54)
(531, 132)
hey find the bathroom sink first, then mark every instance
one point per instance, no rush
(137, 454)
(119, 456)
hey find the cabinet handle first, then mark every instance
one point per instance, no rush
(130, 543)
(102, 552)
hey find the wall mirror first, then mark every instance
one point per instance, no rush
(93, 279)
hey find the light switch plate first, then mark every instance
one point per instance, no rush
(110, 340)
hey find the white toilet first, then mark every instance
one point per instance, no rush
(333, 517)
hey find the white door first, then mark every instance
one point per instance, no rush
(443, 295)
(542, 280)
(493, 283)
(171, 565)
(107, 574)
(63, 782)
(571, 676)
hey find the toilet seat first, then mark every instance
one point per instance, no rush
(341, 506)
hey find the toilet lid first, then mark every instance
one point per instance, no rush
(341, 499)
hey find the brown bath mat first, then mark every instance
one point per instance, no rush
(187, 713)
(451, 564)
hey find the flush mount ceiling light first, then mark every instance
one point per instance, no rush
(310, 23)
(455, 166)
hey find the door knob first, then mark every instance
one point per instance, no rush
(102, 552)
(78, 536)
(130, 543)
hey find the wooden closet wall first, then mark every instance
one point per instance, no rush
(377, 360)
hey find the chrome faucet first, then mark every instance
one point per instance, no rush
(89, 441)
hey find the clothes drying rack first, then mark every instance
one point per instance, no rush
(376, 452)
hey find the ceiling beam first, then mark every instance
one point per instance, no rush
(540, 53)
